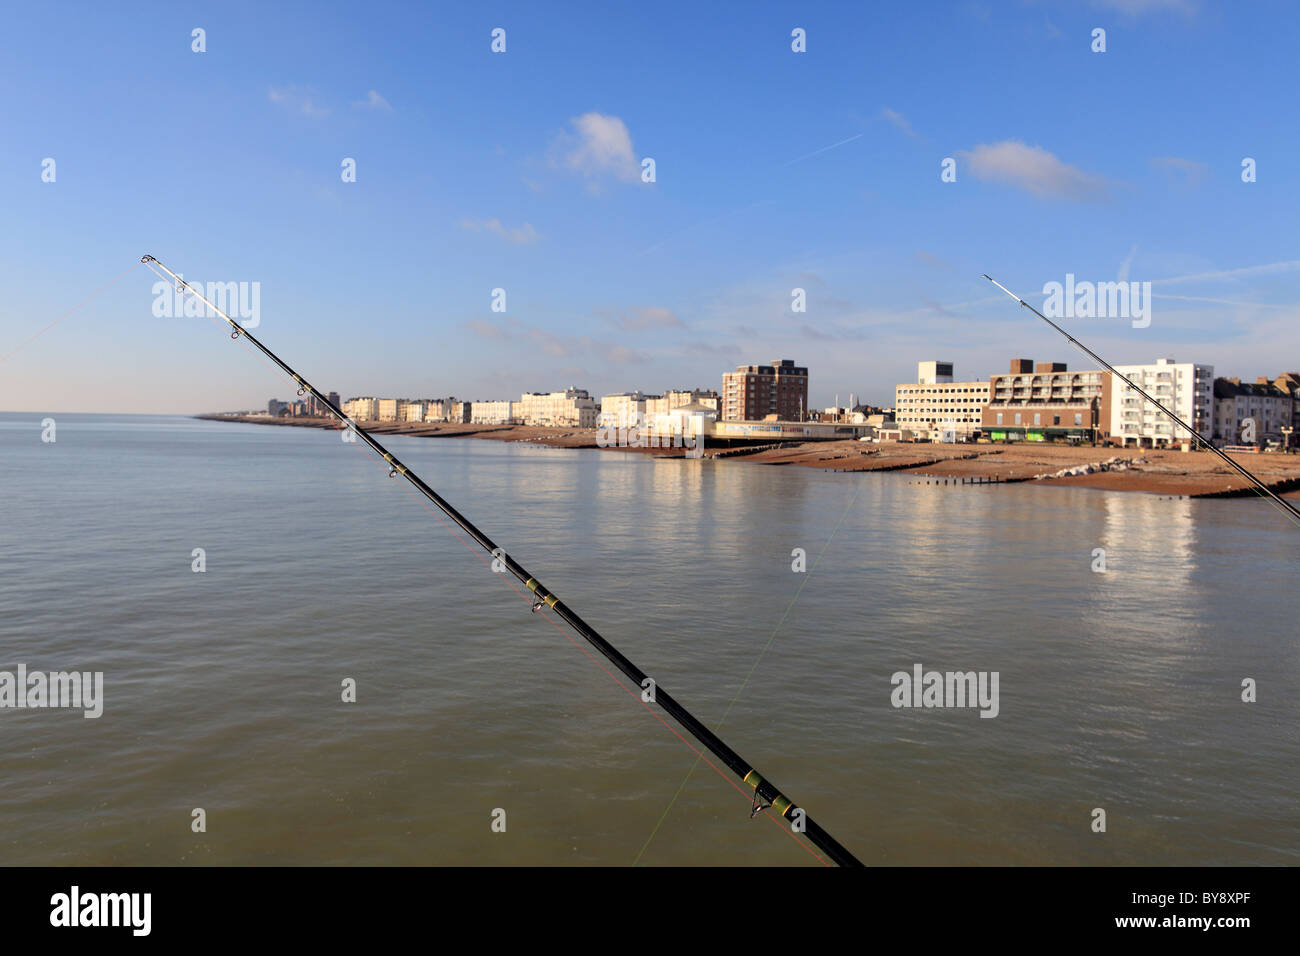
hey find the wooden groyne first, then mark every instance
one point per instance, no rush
(971, 480)
(1248, 491)
(747, 450)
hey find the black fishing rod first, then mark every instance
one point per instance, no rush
(763, 789)
(1285, 505)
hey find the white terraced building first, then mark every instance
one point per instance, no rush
(491, 413)
(1246, 414)
(438, 409)
(361, 409)
(572, 407)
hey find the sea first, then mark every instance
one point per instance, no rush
(304, 663)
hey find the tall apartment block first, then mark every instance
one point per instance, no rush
(753, 392)
(1187, 390)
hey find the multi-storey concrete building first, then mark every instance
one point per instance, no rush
(933, 372)
(753, 392)
(1046, 402)
(938, 408)
(1185, 389)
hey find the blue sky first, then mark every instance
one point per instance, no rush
(521, 171)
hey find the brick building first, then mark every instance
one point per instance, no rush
(1047, 402)
(753, 392)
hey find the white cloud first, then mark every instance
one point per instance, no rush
(374, 101)
(640, 318)
(1193, 170)
(600, 146)
(297, 99)
(1234, 302)
(1033, 169)
(929, 257)
(522, 235)
(547, 342)
(1127, 264)
(1271, 268)
(898, 120)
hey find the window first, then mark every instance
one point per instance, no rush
(1038, 418)
(999, 418)
(1056, 419)
(1078, 418)
(1017, 418)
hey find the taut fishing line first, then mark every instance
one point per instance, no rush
(1260, 487)
(764, 790)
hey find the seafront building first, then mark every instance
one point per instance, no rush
(938, 408)
(438, 409)
(361, 409)
(1047, 402)
(622, 408)
(314, 407)
(755, 392)
(677, 398)
(1251, 414)
(1186, 389)
(1042, 401)
(571, 407)
(492, 413)
(682, 425)
(393, 409)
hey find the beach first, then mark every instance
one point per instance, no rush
(1151, 471)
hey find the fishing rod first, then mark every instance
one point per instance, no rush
(1285, 505)
(764, 789)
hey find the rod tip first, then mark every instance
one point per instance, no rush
(985, 276)
(148, 259)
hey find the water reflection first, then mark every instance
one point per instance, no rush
(1117, 689)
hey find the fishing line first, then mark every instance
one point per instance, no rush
(612, 676)
(92, 295)
(743, 684)
(1260, 488)
(762, 788)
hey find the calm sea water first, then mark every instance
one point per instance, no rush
(1118, 690)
